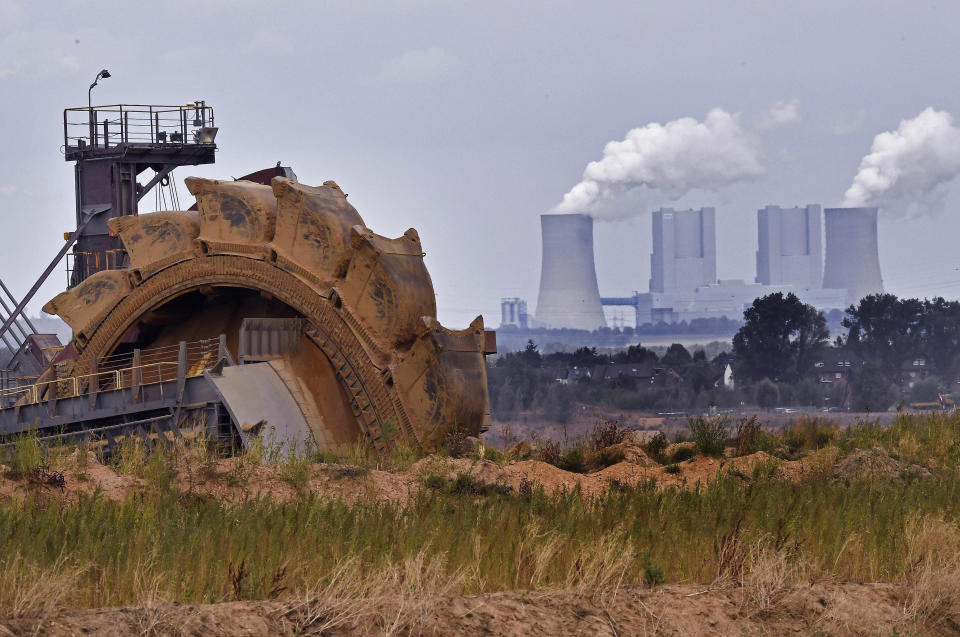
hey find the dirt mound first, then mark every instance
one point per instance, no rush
(822, 608)
(236, 479)
(876, 464)
(632, 452)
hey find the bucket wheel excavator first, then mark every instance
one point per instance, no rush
(321, 324)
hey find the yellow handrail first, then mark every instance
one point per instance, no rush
(34, 390)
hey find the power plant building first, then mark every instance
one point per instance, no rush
(853, 259)
(683, 267)
(684, 249)
(683, 283)
(513, 312)
(569, 295)
(789, 246)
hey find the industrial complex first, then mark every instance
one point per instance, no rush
(683, 267)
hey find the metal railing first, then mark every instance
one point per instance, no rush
(104, 127)
(121, 371)
(89, 263)
(83, 385)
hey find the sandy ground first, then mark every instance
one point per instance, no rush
(235, 479)
(818, 609)
(823, 608)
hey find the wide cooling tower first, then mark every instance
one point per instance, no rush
(569, 296)
(853, 261)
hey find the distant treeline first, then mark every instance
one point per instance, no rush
(886, 350)
(512, 339)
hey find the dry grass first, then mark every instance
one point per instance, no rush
(932, 587)
(30, 590)
(769, 574)
(398, 599)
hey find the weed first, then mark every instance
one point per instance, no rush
(491, 454)
(463, 484)
(295, 470)
(44, 477)
(748, 433)
(549, 451)
(81, 462)
(573, 460)
(435, 482)
(236, 576)
(27, 455)
(653, 575)
(681, 453)
(606, 433)
(130, 458)
(709, 434)
(525, 489)
(656, 446)
(606, 457)
(457, 442)
(672, 468)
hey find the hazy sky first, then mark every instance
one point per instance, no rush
(468, 120)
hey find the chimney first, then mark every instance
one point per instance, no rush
(569, 296)
(853, 261)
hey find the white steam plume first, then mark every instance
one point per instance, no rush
(781, 114)
(909, 167)
(671, 158)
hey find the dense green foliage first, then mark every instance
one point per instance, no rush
(779, 336)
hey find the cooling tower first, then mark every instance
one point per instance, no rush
(569, 296)
(853, 261)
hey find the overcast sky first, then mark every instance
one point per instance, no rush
(469, 120)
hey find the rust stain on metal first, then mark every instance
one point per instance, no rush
(376, 362)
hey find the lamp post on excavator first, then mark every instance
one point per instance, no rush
(102, 75)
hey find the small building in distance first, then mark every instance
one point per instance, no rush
(834, 364)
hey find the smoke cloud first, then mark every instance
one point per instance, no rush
(908, 168)
(671, 159)
(781, 114)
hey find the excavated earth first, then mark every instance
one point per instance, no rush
(234, 479)
(822, 609)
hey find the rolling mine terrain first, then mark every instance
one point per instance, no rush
(727, 528)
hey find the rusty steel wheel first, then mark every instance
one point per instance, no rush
(374, 359)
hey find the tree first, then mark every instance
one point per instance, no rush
(926, 390)
(768, 395)
(531, 355)
(837, 393)
(586, 356)
(779, 336)
(676, 356)
(940, 336)
(809, 393)
(885, 330)
(872, 391)
(557, 404)
(635, 354)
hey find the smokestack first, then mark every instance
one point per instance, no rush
(569, 296)
(853, 261)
